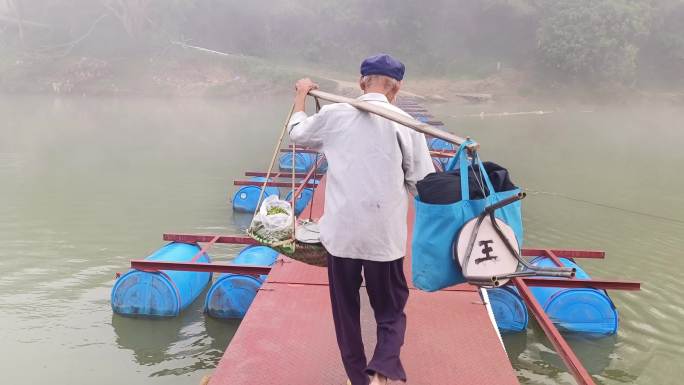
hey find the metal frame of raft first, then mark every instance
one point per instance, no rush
(523, 284)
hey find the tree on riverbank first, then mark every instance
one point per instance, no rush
(593, 40)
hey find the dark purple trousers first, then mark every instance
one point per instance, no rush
(388, 293)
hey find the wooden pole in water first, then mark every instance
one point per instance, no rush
(394, 116)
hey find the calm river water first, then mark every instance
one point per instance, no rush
(87, 185)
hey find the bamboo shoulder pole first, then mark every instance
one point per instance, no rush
(393, 116)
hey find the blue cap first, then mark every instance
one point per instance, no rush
(383, 64)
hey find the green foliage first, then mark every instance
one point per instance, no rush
(593, 40)
(579, 41)
(663, 53)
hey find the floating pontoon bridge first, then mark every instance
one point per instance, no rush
(287, 336)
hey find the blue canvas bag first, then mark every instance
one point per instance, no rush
(436, 227)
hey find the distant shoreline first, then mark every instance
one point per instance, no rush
(208, 77)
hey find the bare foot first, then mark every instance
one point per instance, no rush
(378, 379)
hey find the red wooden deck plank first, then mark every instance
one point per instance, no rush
(287, 338)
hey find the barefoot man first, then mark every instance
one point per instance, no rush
(373, 165)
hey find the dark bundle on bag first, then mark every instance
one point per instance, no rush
(445, 187)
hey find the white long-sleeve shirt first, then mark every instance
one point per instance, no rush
(373, 164)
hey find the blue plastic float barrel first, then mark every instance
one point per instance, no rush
(303, 199)
(162, 294)
(256, 255)
(588, 311)
(246, 198)
(509, 309)
(232, 294)
(437, 144)
(303, 161)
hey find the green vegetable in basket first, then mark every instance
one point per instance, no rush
(276, 210)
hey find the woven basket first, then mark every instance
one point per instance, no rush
(310, 253)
